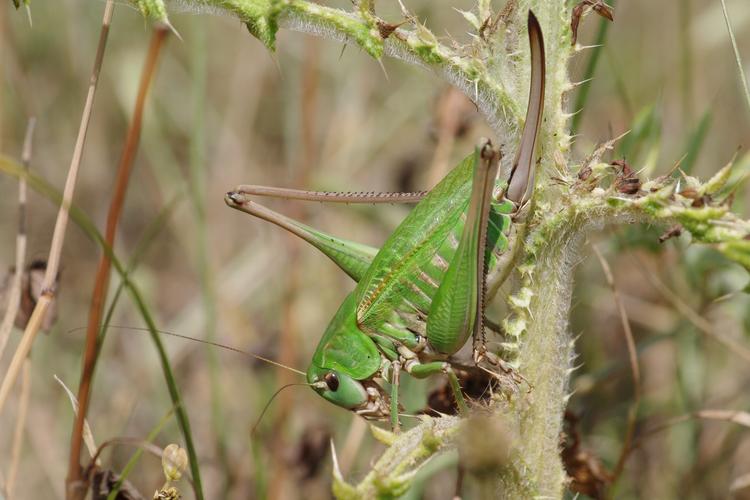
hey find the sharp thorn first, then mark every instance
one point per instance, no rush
(582, 82)
(581, 48)
(336, 469)
(382, 66)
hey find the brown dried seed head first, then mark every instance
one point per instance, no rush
(585, 173)
(672, 232)
(586, 472)
(604, 10)
(624, 167)
(597, 6)
(386, 29)
(628, 185)
(690, 193)
(167, 493)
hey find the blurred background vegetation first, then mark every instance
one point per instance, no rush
(225, 111)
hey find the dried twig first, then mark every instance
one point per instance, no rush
(14, 297)
(627, 445)
(58, 237)
(74, 480)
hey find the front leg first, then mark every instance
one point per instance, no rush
(395, 379)
(424, 370)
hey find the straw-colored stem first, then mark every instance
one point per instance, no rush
(75, 485)
(58, 237)
(14, 299)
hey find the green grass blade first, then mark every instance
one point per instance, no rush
(645, 125)
(615, 70)
(197, 195)
(81, 219)
(695, 142)
(737, 57)
(583, 92)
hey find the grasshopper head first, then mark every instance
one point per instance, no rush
(364, 397)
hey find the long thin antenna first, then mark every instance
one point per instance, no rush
(202, 341)
(263, 412)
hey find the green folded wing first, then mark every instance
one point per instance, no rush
(390, 278)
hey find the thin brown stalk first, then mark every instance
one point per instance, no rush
(14, 298)
(58, 237)
(696, 319)
(23, 407)
(627, 445)
(75, 487)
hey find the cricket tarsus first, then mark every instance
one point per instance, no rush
(329, 196)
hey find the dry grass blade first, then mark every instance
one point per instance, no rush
(15, 290)
(737, 417)
(58, 237)
(88, 435)
(701, 324)
(627, 445)
(23, 407)
(740, 483)
(105, 262)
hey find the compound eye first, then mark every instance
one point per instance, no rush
(332, 381)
